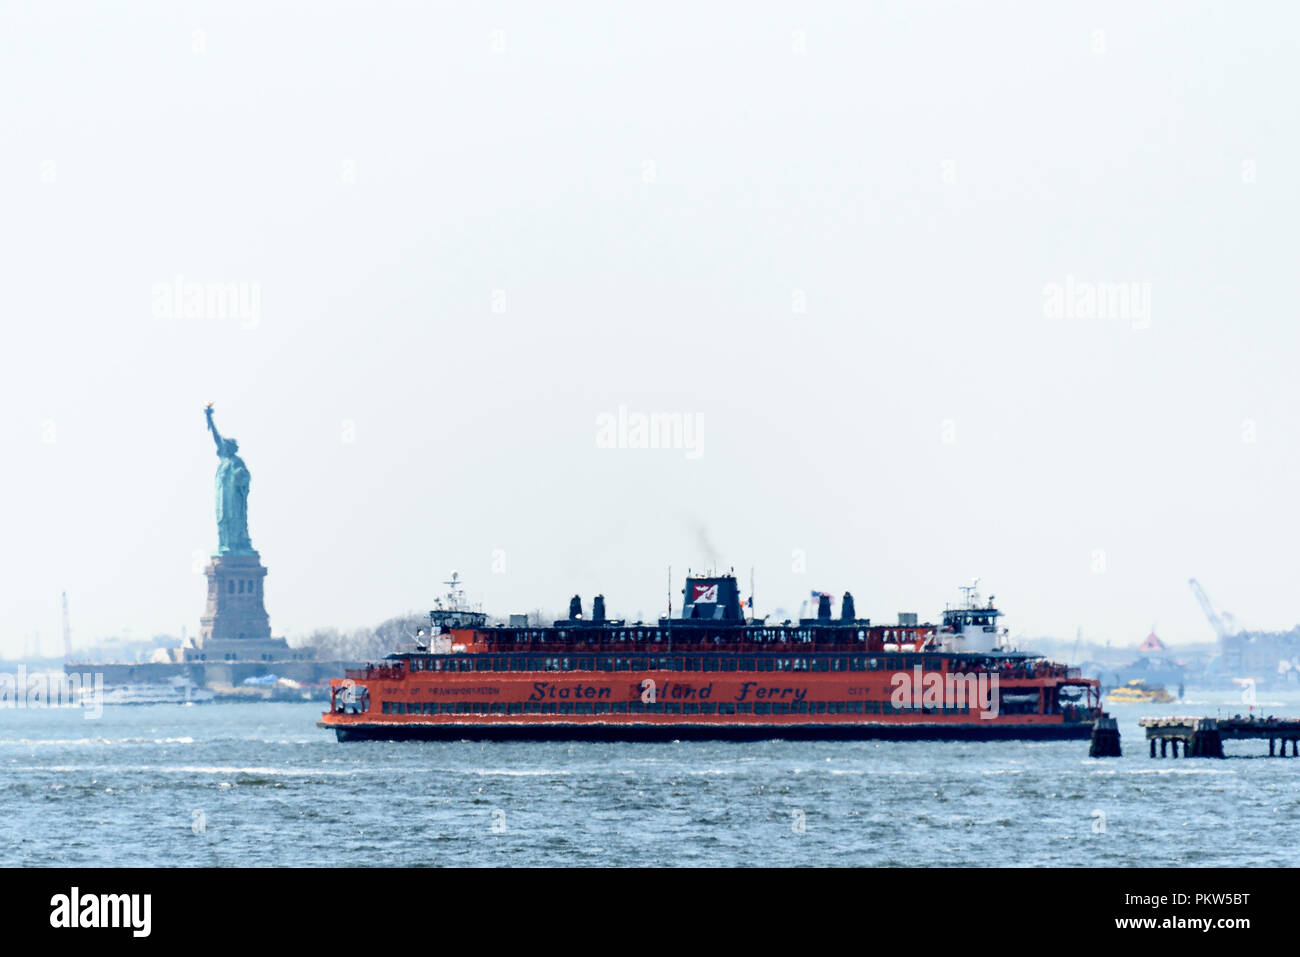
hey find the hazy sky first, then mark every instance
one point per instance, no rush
(833, 233)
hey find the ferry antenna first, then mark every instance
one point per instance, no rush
(68, 631)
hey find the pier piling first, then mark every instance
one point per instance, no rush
(1206, 740)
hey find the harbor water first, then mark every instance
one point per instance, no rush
(259, 784)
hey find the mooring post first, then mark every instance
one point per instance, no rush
(1153, 747)
(1270, 747)
(1164, 744)
(1105, 738)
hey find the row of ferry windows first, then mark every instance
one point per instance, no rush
(606, 635)
(659, 663)
(658, 707)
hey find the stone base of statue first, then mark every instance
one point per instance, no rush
(235, 626)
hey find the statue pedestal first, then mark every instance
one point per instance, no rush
(235, 625)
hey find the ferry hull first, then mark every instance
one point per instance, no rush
(572, 731)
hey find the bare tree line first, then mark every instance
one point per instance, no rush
(360, 644)
(393, 634)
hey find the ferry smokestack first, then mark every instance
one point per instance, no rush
(823, 606)
(598, 608)
(847, 611)
(575, 607)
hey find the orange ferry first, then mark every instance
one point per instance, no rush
(712, 674)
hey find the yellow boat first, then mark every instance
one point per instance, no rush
(1138, 691)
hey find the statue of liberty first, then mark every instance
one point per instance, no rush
(232, 495)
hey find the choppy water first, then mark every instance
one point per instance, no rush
(261, 785)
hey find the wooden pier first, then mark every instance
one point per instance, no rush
(1204, 737)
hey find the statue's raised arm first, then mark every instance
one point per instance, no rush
(212, 426)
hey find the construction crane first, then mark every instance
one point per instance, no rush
(1223, 625)
(67, 630)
